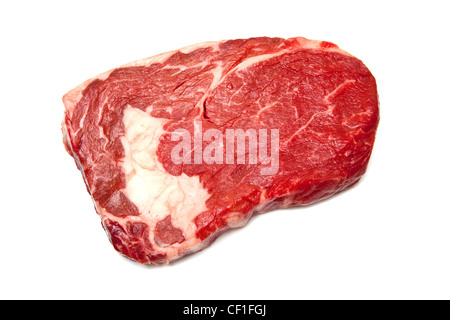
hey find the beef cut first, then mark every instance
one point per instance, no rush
(177, 148)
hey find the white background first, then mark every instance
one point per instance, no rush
(387, 238)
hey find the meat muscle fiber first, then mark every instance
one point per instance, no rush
(314, 102)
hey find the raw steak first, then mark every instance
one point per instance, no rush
(317, 102)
